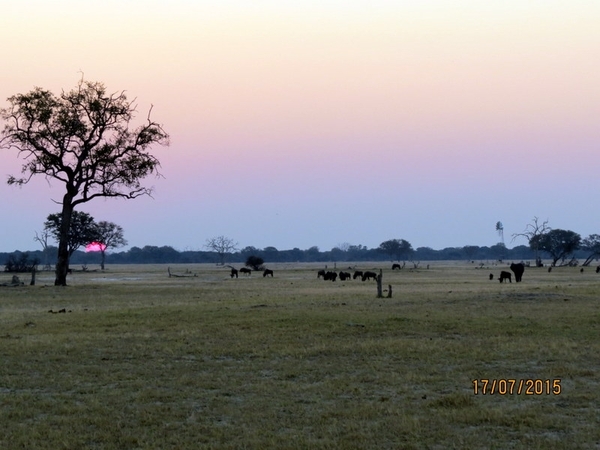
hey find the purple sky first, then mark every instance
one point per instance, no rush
(296, 124)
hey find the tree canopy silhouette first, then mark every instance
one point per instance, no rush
(83, 139)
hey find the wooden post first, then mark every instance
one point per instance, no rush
(379, 288)
(32, 277)
(389, 291)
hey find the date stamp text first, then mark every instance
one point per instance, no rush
(513, 386)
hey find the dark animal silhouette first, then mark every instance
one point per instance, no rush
(549, 269)
(345, 276)
(518, 270)
(505, 276)
(357, 273)
(396, 266)
(369, 275)
(321, 273)
(234, 272)
(330, 276)
(581, 270)
(598, 269)
(245, 270)
(267, 272)
(491, 276)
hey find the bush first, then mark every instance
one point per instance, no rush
(20, 262)
(255, 262)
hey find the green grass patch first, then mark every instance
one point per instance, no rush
(142, 361)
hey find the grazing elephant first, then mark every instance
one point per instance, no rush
(518, 270)
(357, 274)
(369, 275)
(268, 272)
(505, 276)
(245, 270)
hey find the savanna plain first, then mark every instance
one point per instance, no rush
(141, 360)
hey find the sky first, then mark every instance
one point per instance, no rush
(320, 123)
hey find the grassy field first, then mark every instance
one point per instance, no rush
(139, 360)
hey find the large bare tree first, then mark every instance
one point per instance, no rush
(83, 139)
(533, 232)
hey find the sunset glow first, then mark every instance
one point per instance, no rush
(95, 247)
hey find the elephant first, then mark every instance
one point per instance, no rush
(518, 270)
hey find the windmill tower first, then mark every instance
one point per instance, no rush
(500, 230)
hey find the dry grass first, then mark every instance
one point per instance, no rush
(140, 360)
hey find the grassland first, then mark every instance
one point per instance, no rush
(139, 360)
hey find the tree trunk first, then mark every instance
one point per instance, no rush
(62, 262)
(379, 288)
(103, 256)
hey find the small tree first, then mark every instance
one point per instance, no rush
(222, 246)
(42, 238)
(558, 243)
(592, 245)
(110, 235)
(82, 139)
(82, 229)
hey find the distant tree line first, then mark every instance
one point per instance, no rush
(168, 255)
(562, 247)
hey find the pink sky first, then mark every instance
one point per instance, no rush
(316, 123)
